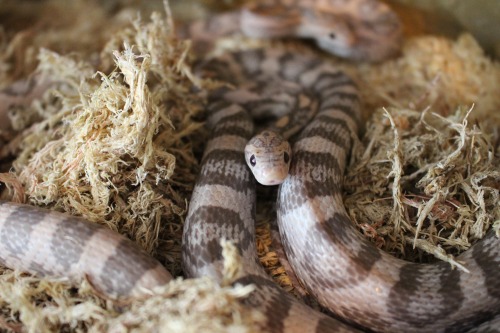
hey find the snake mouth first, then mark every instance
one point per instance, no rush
(272, 176)
(272, 182)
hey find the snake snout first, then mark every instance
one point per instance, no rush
(272, 175)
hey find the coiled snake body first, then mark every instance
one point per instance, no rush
(347, 274)
(55, 244)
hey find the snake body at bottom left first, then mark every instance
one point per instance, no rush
(54, 244)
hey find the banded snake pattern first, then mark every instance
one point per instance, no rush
(357, 282)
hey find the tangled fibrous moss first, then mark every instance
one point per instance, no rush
(427, 178)
(424, 181)
(107, 147)
(434, 72)
(32, 304)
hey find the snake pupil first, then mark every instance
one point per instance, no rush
(252, 160)
(286, 157)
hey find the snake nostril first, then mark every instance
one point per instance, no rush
(286, 157)
(332, 35)
(253, 161)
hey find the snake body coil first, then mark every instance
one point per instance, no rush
(345, 272)
(55, 244)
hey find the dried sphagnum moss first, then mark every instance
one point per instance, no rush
(106, 148)
(440, 75)
(434, 72)
(195, 305)
(424, 181)
(100, 155)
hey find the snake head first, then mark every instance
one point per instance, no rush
(363, 30)
(332, 34)
(268, 156)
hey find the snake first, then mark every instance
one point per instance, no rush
(352, 279)
(50, 243)
(360, 30)
(346, 273)
(359, 286)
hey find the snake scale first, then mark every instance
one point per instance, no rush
(361, 285)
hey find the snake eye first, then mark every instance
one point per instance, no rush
(286, 157)
(252, 160)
